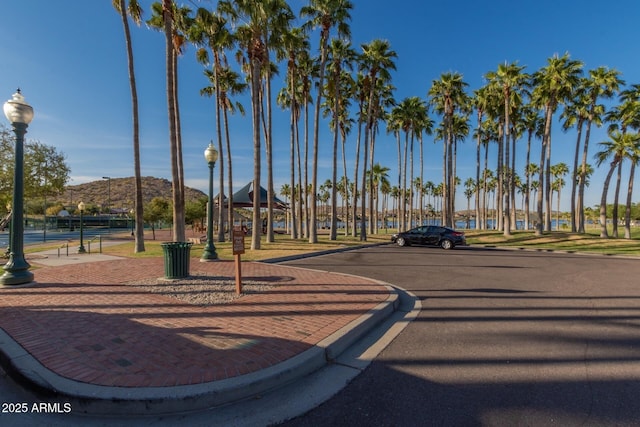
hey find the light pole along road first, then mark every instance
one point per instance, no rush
(504, 338)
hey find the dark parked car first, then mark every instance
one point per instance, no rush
(436, 235)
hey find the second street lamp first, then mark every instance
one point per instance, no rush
(81, 249)
(16, 270)
(209, 254)
(108, 178)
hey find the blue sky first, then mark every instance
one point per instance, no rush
(68, 58)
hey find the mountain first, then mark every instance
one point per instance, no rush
(121, 192)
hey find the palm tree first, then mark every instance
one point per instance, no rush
(324, 195)
(135, 12)
(209, 30)
(488, 131)
(627, 116)
(296, 44)
(530, 170)
(558, 171)
(576, 113)
(618, 147)
(602, 83)
(510, 79)
(634, 158)
(285, 191)
(325, 14)
(394, 192)
(385, 190)
(480, 100)
(459, 132)
(470, 190)
(249, 16)
(428, 189)
(417, 186)
(447, 95)
(377, 60)
(361, 90)
(175, 22)
(278, 22)
(410, 116)
(534, 125)
(553, 84)
(341, 55)
(382, 102)
(165, 17)
(344, 189)
(424, 125)
(380, 178)
(394, 124)
(309, 71)
(488, 178)
(229, 84)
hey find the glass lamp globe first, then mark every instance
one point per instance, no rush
(17, 110)
(211, 154)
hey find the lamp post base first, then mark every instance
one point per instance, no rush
(16, 277)
(16, 271)
(209, 255)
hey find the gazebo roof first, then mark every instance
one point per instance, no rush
(243, 198)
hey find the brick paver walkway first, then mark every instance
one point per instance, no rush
(86, 323)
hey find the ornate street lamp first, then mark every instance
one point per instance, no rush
(16, 270)
(9, 245)
(81, 249)
(133, 219)
(108, 178)
(209, 254)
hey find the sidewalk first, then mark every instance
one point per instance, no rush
(83, 333)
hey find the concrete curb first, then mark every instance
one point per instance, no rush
(94, 399)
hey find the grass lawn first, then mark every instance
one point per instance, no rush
(590, 242)
(283, 246)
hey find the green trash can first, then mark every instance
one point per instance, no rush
(176, 259)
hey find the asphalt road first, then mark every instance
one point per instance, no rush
(504, 338)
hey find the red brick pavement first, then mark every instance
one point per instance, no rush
(86, 323)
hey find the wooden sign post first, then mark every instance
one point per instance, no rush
(238, 249)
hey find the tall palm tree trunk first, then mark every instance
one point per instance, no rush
(313, 229)
(292, 155)
(333, 232)
(356, 167)
(574, 181)
(539, 193)
(178, 208)
(627, 212)
(603, 201)
(269, 154)
(180, 163)
(506, 172)
(527, 189)
(477, 189)
(255, 108)
(230, 219)
(345, 181)
(221, 233)
(139, 209)
(373, 216)
(616, 198)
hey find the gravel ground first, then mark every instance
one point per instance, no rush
(201, 290)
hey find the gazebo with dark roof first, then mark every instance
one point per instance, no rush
(243, 198)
